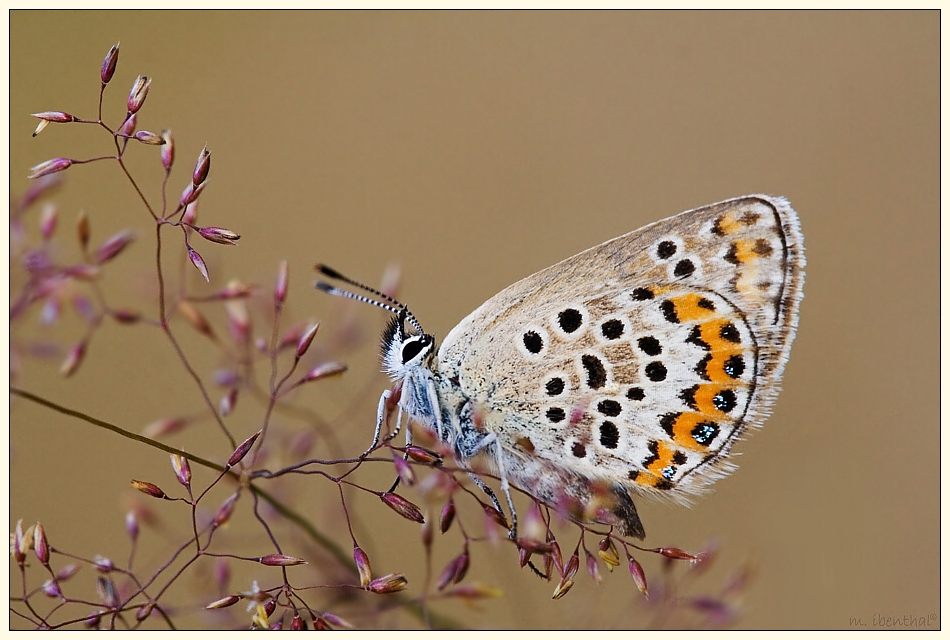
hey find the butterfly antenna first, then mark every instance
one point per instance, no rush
(394, 305)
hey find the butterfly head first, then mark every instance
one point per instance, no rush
(401, 350)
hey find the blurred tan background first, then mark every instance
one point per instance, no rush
(473, 149)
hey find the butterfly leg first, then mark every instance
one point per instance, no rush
(491, 441)
(380, 418)
(494, 499)
(513, 532)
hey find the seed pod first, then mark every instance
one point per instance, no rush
(138, 93)
(218, 234)
(388, 583)
(280, 560)
(199, 263)
(109, 64)
(202, 167)
(149, 489)
(168, 149)
(403, 507)
(363, 566)
(49, 166)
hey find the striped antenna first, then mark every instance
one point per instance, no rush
(391, 304)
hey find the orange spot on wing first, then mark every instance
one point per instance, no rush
(665, 452)
(704, 400)
(745, 251)
(683, 431)
(716, 367)
(711, 333)
(728, 224)
(688, 307)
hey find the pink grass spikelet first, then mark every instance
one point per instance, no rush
(93, 620)
(423, 455)
(107, 594)
(51, 589)
(280, 560)
(447, 517)
(182, 469)
(225, 510)
(332, 618)
(219, 235)
(454, 571)
(226, 406)
(404, 470)
(128, 127)
(283, 277)
(199, 263)
(38, 189)
(48, 219)
(673, 553)
(54, 116)
(191, 193)
(639, 577)
(114, 246)
(138, 93)
(190, 215)
(22, 541)
(41, 544)
(168, 149)
(324, 370)
(362, 566)
(132, 525)
(147, 137)
(73, 360)
(534, 546)
(403, 507)
(389, 583)
(109, 64)
(562, 588)
(306, 340)
(592, 569)
(202, 167)
(572, 565)
(49, 166)
(149, 489)
(85, 272)
(67, 572)
(103, 564)
(495, 516)
(242, 450)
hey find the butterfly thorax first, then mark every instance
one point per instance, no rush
(431, 397)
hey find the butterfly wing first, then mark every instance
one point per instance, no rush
(636, 364)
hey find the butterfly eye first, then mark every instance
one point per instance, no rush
(411, 348)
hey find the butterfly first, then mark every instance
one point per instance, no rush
(629, 369)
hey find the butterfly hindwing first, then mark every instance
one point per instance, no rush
(637, 363)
